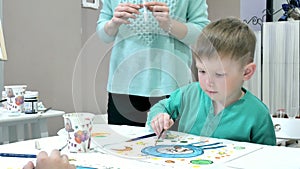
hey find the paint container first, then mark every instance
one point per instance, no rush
(15, 98)
(79, 127)
(31, 99)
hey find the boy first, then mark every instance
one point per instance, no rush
(218, 105)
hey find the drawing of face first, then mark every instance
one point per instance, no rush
(68, 125)
(175, 150)
(10, 93)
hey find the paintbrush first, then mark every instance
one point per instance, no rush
(3, 100)
(163, 130)
(44, 111)
(142, 137)
(63, 147)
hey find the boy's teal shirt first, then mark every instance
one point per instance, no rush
(146, 60)
(246, 120)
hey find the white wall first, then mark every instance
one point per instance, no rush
(219, 8)
(253, 8)
(43, 39)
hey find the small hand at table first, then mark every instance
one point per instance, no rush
(161, 122)
(54, 161)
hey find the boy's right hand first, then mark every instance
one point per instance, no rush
(160, 122)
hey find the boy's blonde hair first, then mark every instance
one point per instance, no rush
(228, 37)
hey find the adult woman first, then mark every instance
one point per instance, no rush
(151, 56)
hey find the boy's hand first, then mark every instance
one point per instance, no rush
(160, 122)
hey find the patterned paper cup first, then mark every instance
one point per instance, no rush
(15, 98)
(79, 127)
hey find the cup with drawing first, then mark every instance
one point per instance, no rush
(78, 127)
(14, 97)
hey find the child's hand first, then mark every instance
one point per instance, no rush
(160, 122)
(54, 161)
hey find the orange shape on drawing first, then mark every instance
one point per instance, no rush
(125, 149)
(100, 134)
(170, 161)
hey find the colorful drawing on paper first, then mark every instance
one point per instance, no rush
(173, 151)
(181, 149)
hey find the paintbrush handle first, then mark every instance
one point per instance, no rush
(17, 155)
(3, 100)
(142, 137)
(160, 134)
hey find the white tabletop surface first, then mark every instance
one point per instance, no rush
(38, 128)
(261, 158)
(6, 117)
(269, 157)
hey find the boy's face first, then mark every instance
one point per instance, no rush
(221, 79)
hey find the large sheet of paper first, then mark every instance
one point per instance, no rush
(176, 150)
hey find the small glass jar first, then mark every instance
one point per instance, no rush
(31, 99)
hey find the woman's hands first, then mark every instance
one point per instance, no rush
(160, 122)
(122, 13)
(54, 161)
(161, 13)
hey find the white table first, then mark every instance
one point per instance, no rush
(269, 157)
(274, 157)
(38, 124)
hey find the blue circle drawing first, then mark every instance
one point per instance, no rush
(173, 151)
